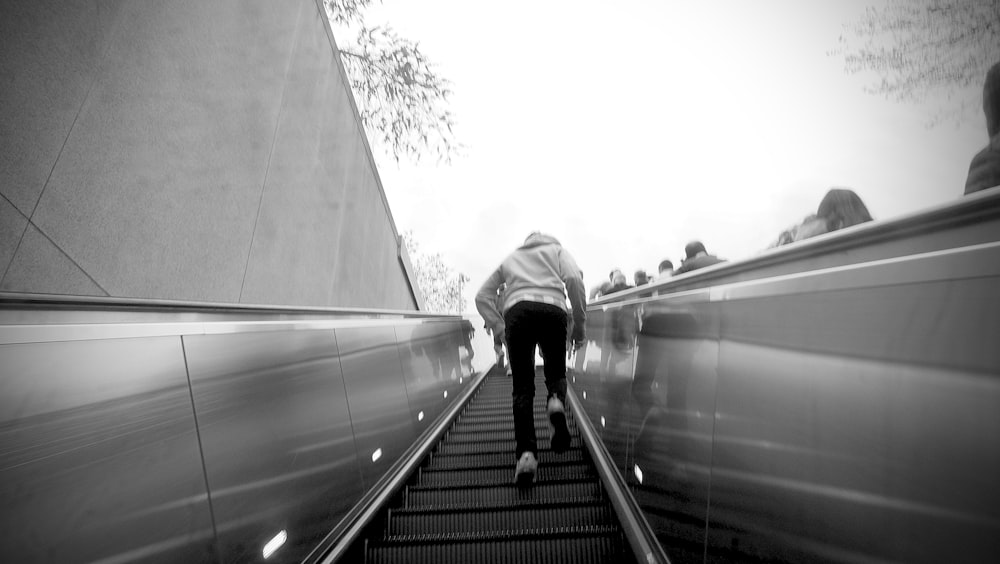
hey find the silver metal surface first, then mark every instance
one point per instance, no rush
(276, 436)
(376, 396)
(432, 361)
(108, 451)
(848, 419)
(99, 456)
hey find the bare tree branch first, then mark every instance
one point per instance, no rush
(917, 48)
(402, 99)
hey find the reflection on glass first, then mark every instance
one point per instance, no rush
(377, 454)
(274, 544)
(638, 473)
(420, 416)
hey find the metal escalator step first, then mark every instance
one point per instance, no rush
(592, 546)
(481, 496)
(408, 523)
(500, 419)
(502, 474)
(455, 461)
(449, 447)
(501, 424)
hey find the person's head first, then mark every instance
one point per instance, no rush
(692, 249)
(991, 100)
(666, 266)
(842, 208)
(640, 277)
(615, 272)
(617, 278)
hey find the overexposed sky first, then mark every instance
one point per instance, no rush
(628, 128)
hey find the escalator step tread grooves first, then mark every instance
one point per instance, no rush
(594, 549)
(489, 519)
(501, 475)
(430, 497)
(496, 446)
(463, 506)
(453, 461)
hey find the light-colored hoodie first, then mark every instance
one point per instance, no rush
(541, 271)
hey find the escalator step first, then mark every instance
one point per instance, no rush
(587, 547)
(502, 474)
(507, 519)
(503, 424)
(448, 447)
(439, 461)
(480, 496)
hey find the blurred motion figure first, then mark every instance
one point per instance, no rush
(984, 170)
(697, 257)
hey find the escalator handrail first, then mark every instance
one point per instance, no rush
(337, 543)
(638, 532)
(12, 300)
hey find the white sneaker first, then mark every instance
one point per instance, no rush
(560, 433)
(526, 468)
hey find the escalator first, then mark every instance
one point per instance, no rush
(462, 504)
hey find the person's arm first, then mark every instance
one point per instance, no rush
(573, 280)
(486, 302)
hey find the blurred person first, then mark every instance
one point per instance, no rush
(618, 283)
(640, 278)
(697, 257)
(665, 269)
(602, 288)
(538, 276)
(840, 208)
(984, 170)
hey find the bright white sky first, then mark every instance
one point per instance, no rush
(628, 128)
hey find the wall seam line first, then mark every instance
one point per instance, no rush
(68, 257)
(270, 154)
(201, 451)
(79, 110)
(27, 222)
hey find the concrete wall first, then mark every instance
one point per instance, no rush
(188, 150)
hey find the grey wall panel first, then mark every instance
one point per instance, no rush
(190, 150)
(51, 54)
(99, 455)
(376, 394)
(40, 266)
(276, 433)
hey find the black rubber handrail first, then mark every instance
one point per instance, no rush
(338, 542)
(640, 536)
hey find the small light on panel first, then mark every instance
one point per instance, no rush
(420, 416)
(274, 544)
(446, 393)
(638, 473)
(584, 394)
(377, 454)
(461, 380)
(603, 424)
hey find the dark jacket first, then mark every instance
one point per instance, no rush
(984, 170)
(700, 261)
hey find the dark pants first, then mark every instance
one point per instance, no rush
(529, 324)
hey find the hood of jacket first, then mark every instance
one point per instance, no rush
(536, 239)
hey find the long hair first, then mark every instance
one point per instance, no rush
(842, 208)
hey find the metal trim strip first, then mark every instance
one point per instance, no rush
(638, 532)
(11, 334)
(974, 261)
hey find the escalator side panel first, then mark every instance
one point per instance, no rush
(276, 434)
(99, 453)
